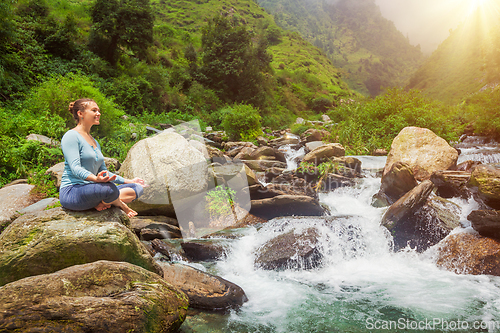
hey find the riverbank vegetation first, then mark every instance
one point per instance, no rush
(53, 52)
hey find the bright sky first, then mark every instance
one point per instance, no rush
(427, 22)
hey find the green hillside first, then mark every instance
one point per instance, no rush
(372, 53)
(464, 63)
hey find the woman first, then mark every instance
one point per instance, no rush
(86, 183)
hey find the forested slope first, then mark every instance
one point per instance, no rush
(372, 53)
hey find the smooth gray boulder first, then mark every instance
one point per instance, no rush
(13, 198)
(173, 169)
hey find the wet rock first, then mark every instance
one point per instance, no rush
(425, 226)
(290, 251)
(170, 166)
(398, 181)
(46, 242)
(468, 253)
(172, 250)
(486, 222)
(12, 199)
(286, 205)
(322, 153)
(451, 184)
(407, 204)
(467, 165)
(423, 151)
(486, 177)
(262, 141)
(204, 250)
(204, 290)
(103, 296)
(159, 226)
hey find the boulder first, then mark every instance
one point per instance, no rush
(272, 173)
(214, 152)
(286, 205)
(469, 253)
(420, 220)
(172, 168)
(263, 165)
(300, 121)
(291, 250)
(467, 165)
(285, 140)
(204, 290)
(486, 222)
(158, 226)
(102, 296)
(423, 151)
(262, 141)
(43, 139)
(54, 239)
(14, 198)
(451, 184)
(486, 177)
(40, 206)
(201, 147)
(398, 181)
(244, 153)
(310, 146)
(325, 118)
(204, 250)
(320, 154)
(380, 152)
(314, 135)
(171, 250)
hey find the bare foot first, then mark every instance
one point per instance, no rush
(102, 206)
(130, 212)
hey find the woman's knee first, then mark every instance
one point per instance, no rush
(110, 192)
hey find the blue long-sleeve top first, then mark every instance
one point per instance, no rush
(81, 160)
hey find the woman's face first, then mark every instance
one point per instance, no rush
(91, 115)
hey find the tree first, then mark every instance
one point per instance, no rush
(6, 30)
(231, 64)
(121, 24)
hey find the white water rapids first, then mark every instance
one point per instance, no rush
(363, 286)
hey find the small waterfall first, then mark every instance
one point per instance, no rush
(479, 148)
(292, 155)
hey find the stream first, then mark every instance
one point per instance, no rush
(362, 286)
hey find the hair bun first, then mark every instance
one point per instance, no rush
(70, 108)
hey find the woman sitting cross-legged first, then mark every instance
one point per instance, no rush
(86, 183)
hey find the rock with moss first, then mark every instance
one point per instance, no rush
(486, 177)
(398, 181)
(204, 290)
(452, 183)
(42, 243)
(423, 151)
(102, 296)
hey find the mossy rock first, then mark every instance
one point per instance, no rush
(486, 177)
(45, 242)
(102, 296)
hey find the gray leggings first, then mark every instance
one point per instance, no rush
(87, 196)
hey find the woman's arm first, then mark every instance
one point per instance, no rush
(71, 150)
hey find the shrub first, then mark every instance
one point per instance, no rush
(50, 100)
(242, 122)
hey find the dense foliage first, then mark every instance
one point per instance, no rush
(372, 53)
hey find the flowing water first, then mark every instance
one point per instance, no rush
(362, 286)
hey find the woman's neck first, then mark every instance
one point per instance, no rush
(83, 128)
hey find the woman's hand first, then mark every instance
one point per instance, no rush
(139, 181)
(103, 177)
